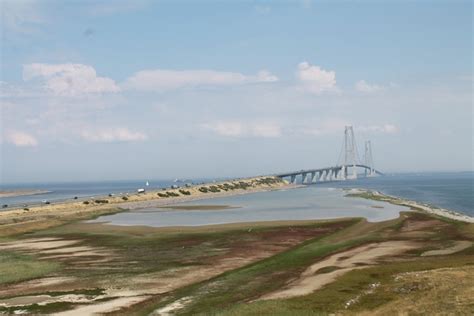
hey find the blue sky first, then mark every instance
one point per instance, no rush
(95, 90)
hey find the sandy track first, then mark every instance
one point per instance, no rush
(458, 246)
(105, 307)
(313, 278)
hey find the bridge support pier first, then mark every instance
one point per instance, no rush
(293, 178)
(304, 178)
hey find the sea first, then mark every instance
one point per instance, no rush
(62, 191)
(453, 191)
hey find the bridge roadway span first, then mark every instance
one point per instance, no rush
(326, 174)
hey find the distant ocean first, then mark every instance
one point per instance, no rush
(69, 190)
(453, 191)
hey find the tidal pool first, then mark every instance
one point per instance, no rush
(305, 203)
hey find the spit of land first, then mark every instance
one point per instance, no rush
(52, 263)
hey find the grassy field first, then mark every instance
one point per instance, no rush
(228, 269)
(16, 267)
(235, 292)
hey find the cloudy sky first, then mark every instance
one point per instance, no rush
(107, 90)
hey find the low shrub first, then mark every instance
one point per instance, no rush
(101, 201)
(214, 189)
(85, 202)
(184, 192)
(124, 198)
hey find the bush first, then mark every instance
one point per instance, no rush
(26, 209)
(85, 202)
(203, 189)
(163, 195)
(101, 201)
(184, 192)
(124, 198)
(172, 194)
(214, 189)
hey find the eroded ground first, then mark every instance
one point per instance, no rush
(341, 266)
(102, 268)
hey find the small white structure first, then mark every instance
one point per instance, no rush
(141, 190)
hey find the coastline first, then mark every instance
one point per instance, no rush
(21, 220)
(414, 205)
(297, 259)
(13, 193)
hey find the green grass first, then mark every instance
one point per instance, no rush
(15, 267)
(253, 280)
(333, 297)
(37, 309)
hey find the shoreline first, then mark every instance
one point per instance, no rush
(414, 205)
(22, 220)
(22, 192)
(18, 220)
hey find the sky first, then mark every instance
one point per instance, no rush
(113, 90)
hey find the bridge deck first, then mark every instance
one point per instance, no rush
(289, 174)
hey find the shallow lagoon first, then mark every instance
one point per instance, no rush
(306, 203)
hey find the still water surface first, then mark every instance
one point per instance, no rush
(307, 203)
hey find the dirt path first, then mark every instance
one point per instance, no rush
(459, 245)
(104, 307)
(314, 277)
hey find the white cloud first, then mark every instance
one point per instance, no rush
(386, 128)
(112, 135)
(363, 86)
(337, 125)
(316, 80)
(241, 129)
(162, 80)
(7, 90)
(328, 126)
(20, 139)
(69, 79)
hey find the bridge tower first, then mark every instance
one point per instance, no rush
(350, 152)
(369, 162)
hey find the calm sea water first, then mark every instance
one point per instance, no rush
(63, 191)
(307, 203)
(453, 191)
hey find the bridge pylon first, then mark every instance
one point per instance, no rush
(369, 160)
(350, 153)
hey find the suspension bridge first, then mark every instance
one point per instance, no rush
(348, 166)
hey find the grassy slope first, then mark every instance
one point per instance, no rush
(17, 267)
(231, 292)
